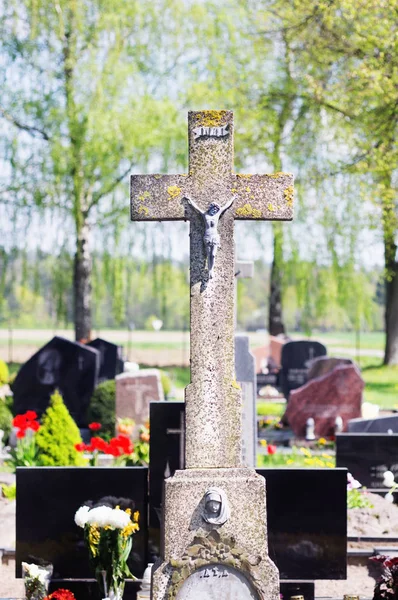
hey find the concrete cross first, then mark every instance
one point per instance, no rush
(213, 403)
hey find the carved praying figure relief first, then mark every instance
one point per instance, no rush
(216, 510)
(211, 237)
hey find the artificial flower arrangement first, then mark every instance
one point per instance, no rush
(25, 452)
(108, 535)
(36, 580)
(61, 594)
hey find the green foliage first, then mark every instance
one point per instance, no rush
(4, 374)
(58, 435)
(381, 385)
(268, 409)
(5, 420)
(102, 407)
(357, 499)
(299, 457)
(9, 491)
(166, 383)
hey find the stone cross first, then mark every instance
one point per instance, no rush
(213, 404)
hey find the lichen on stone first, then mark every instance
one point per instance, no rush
(173, 191)
(276, 175)
(244, 175)
(234, 190)
(235, 385)
(142, 197)
(270, 207)
(248, 189)
(143, 210)
(248, 211)
(211, 118)
(158, 176)
(289, 195)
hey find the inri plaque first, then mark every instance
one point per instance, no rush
(214, 582)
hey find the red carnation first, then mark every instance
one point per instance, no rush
(19, 421)
(99, 444)
(21, 433)
(34, 425)
(95, 426)
(30, 415)
(271, 449)
(80, 447)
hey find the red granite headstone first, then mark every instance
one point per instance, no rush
(134, 392)
(338, 393)
(325, 364)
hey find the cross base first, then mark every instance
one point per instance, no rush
(190, 543)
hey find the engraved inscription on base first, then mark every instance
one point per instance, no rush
(216, 582)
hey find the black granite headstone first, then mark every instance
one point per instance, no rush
(297, 588)
(307, 522)
(47, 499)
(296, 360)
(385, 424)
(367, 456)
(111, 363)
(70, 367)
(306, 508)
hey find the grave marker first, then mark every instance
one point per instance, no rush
(246, 377)
(135, 392)
(296, 361)
(111, 363)
(212, 197)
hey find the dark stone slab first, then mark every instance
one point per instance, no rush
(338, 393)
(297, 588)
(111, 363)
(296, 360)
(376, 425)
(324, 364)
(307, 522)
(69, 366)
(47, 499)
(306, 508)
(367, 456)
(167, 422)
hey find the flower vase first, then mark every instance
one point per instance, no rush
(112, 593)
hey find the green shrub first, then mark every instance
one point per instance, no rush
(5, 420)
(166, 383)
(4, 374)
(9, 491)
(103, 407)
(57, 436)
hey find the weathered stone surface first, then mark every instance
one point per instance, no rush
(325, 364)
(190, 542)
(338, 393)
(213, 405)
(217, 581)
(134, 392)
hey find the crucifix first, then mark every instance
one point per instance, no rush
(211, 196)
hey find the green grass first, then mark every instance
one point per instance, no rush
(299, 457)
(381, 385)
(346, 339)
(180, 376)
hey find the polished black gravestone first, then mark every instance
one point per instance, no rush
(367, 456)
(47, 499)
(111, 362)
(387, 424)
(167, 454)
(306, 508)
(307, 522)
(296, 361)
(70, 367)
(297, 588)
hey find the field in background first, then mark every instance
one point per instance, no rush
(167, 348)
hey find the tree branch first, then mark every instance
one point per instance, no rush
(29, 128)
(97, 197)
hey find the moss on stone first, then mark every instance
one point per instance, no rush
(211, 118)
(271, 207)
(173, 191)
(276, 175)
(244, 175)
(143, 210)
(289, 195)
(248, 211)
(142, 197)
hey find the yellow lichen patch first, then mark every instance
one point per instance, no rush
(142, 197)
(251, 197)
(248, 211)
(173, 191)
(276, 175)
(271, 207)
(157, 176)
(244, 176)
(289, 195)
(211, 118)
(248, 189)
(143, 210)
(236, 385)
(234, 190)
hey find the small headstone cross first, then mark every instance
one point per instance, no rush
(213, 405)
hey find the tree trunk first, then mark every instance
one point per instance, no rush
(82, 284)
(275, 316)
(391, 316)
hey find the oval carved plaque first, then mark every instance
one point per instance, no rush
(217, 581)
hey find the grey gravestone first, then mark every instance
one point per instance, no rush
(245, 370)
(324, 364)
(367, 456)
(296, 361)
(215, 582)
(377, 425)
(134, 393)
(111, 363)
(70, 367)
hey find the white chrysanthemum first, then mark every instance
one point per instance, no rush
(389, 497)
(33, 571)
(81, 516)
(100, 516)
(389, 479)
(119, 519)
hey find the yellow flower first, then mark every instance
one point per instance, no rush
(136, 516)
(305, 451)
(322, 441)
(263, 442)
